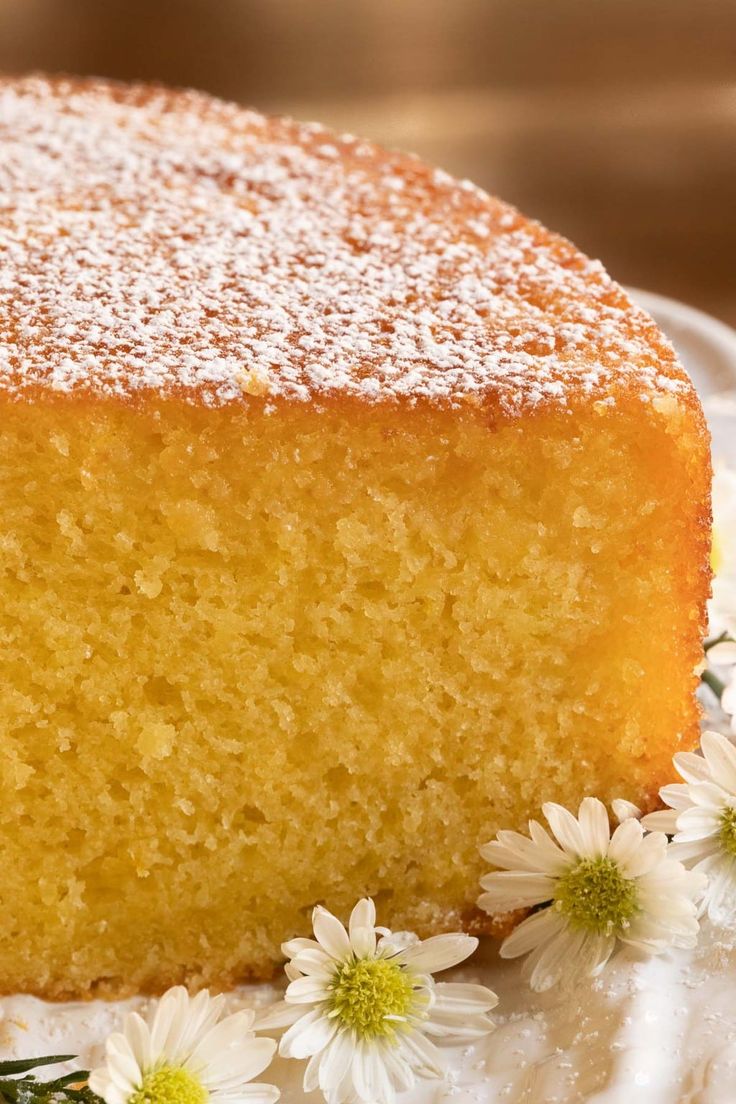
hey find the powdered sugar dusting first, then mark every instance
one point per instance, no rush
(168, 242)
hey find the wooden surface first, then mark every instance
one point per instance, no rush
(614, 121)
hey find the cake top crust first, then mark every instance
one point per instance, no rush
(156, 241)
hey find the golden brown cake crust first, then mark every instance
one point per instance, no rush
(164, 241)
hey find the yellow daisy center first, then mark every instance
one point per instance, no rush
(596, 897)
(728, 830)
(169, 1085)
(366, 991)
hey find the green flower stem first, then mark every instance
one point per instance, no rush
(711, 642)
(24, 1065)
(712, 680)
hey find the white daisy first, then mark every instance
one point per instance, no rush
(363, 1007)
(185, 1054)
(702, 819)
(595, 889)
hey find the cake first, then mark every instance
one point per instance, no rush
(347, 516)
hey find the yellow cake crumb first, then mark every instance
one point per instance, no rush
(409, 633)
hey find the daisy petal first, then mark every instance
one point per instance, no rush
(306, 990)
(650, 852)
(192, 1019)
(330, 933)
(369, 1077)
(255, 1093)
(422, 1055)
(721, 892)
(463, 998)
(508, 890)
(236, 1065)
(122, 1064)
(294, 946)
(625, 841)
(720, 755)
(439, 953)
(398, 1069)
(219, 1041)
(277, 1015)
(311, 1073)
(336, 1061)
(308, 1035)
(677, 795)
(550, 961)
(693, 851)
(536, 929)
(623, 809)
(361, 929)
(138, 1036)
(316, 963)
(101, 1084)
(512, 851)
(460, 1010)
(693, 768)
(596, 830)
(171, 1013)
(565, 828)
(362, 916)
(664, 820)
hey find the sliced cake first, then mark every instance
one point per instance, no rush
(346, 515)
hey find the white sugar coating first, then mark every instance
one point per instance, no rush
(154, 241)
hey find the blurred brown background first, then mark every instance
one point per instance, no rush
(613, 121)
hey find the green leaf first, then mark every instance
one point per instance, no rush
(76, 1077)
(59, 1090)
(83, 1096)
(22, 1065)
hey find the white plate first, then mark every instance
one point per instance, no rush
(707, 348)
